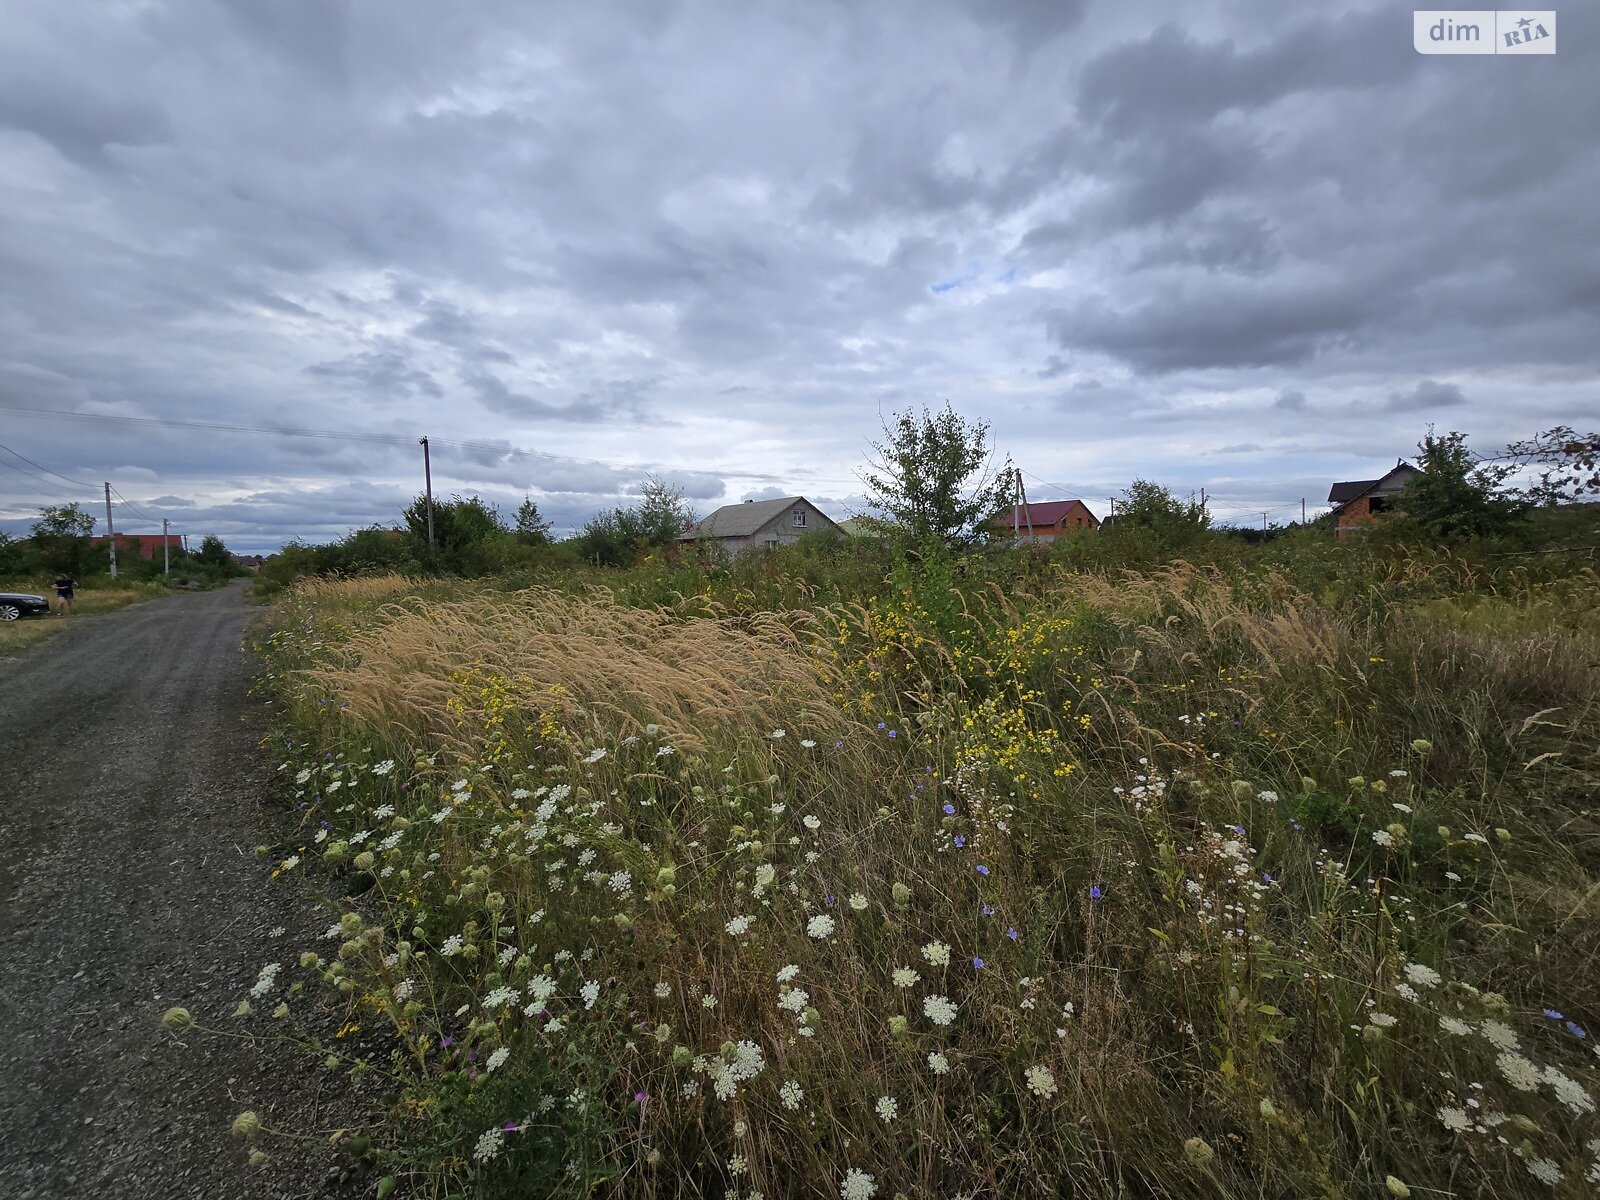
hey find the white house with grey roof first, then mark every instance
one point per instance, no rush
(760, 525)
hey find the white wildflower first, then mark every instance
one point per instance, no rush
(489, 1145)
(858, 1185)
(937, 954)
(1423, 976)
(794, 1000)
(820, 926)
(1500, 1035)
(496, 1060)
(267, 980)
(1544, 1170)
(887, 1108)
(738, 926)
(941, 1010)
(1518, 1071)
(938, 1063)
(590, 992)
(1041, 1082)
(790, 1094)
(905, 977)
(1569, 1091)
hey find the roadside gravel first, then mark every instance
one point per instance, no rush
(131, 798)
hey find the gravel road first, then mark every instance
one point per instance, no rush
(131, 798)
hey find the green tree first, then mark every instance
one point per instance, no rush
(532, 529)
(620, 536)
(935, 479)
(63, 520)
(61, 536)
(1150, 510)
(1457, 496)
(213, 553)
(459, 523)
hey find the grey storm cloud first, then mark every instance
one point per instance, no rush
(1426, 395)
(714, 243)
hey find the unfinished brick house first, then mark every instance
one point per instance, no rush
(1360, 502)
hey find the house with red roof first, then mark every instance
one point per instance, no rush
(145, 545)
(1045, 522)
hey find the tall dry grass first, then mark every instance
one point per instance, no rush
(429, 670)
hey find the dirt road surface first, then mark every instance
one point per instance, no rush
(131, 800)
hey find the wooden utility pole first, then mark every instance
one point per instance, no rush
(1302, 510)
(427, 484)
(166, 554)
(111, 531)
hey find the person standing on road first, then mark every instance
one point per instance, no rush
(66, 594)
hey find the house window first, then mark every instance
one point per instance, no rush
(772, 543)
(798, 518)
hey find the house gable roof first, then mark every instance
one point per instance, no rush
(747, 519)
(1397, 477)
(1042, 515)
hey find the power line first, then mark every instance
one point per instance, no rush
(32, 481)
(42, 472)
(129, 504)
(1060, 487)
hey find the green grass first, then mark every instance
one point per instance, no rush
(1254, 879)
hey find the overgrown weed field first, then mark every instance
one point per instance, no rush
(985, 878)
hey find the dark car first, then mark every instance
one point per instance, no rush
(14, 605)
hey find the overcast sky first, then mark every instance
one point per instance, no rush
(1254, 247)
